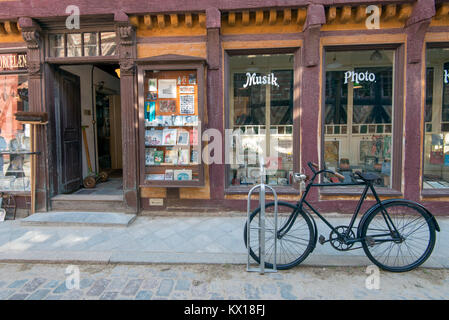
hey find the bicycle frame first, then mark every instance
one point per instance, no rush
(345, 236)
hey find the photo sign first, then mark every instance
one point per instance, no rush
(13, 62)
(357, 77)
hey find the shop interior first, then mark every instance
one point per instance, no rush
(101, 134)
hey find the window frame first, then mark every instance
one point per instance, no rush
(296, 51)
(397, 122)
(430, 193)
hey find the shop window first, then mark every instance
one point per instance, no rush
(358, 115)
(172, 116)
(14, 136)
(436, 138)
(82, 44)
(261, 118)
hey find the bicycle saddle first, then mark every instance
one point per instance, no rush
(367, 176)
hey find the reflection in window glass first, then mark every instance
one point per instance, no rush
(261, 113)
(74, 45)
(108, 43)
(90, 44)
(436, 140)
(359, 113)
(14, 136)
(56, 45)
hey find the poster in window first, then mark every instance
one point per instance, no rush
(187, 104)
(167, 106)
(167, 88)
(187, 89)
(152, 85)
(332, 151)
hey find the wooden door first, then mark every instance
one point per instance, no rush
(68, 131)
(116, 132)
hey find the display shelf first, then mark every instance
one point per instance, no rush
(171, 114)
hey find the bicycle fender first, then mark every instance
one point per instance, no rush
(377, 205)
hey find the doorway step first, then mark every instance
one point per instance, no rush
(78, 218)
(89, 203)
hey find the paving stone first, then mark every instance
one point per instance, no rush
(251, 292)
(144, 295)
(54, 297)
(179, 296)
(17, 284)
(109, 296)
(182, 285)
(286, 291)
(165, 288)
(51, 284)
(85, 283)
(2, 283)
(150, 284)
(74, 294)
(216, 296)
(6, 293)
(200, 290)
(132, 287)
(269, 288)
(18, 296)
(98, 287)
(117, 284)
(34, 284)
(62, 288)
(39, 294)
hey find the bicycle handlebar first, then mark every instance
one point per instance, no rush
(316, 169)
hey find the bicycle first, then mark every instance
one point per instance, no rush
(397, 235)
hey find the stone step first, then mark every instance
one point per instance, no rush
(89, 203)
(79, 218)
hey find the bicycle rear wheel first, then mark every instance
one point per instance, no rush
(292, 248)
(414, 243)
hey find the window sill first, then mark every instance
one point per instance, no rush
(435, 193)
(279, 190)
(357, 191)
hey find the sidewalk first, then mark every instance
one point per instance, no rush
(203, 240)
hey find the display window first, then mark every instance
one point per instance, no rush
(172, 118)
(261, 105)
(359, 113)
(14, 136)
(436, 120)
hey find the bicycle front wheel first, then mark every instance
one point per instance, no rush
(409, 247)
(292, 248)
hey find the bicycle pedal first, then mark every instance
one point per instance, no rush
(370, 241)
(322, 240)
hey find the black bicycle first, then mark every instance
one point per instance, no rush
(397, 235)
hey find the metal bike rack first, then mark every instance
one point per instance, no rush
(262, 190)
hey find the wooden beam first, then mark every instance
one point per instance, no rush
(331, 14)
(360, 14)
(442, 11)
(174, 20)
(405, 12)
(273, 16)
(259, 17)
(301, 16)
(134, 20)
(202, 20)
(2, 29)
(148, 21)
(245, 18)
(390, 12)
(231, 18)
(346, 12)
(161, 21)
(11, 27)
(287, 16)
(189, 20)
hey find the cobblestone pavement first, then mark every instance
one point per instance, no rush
(49, 281)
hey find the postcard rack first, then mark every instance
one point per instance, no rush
(172, 118)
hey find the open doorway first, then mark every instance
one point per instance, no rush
(98, 141)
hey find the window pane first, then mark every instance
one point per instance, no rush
(74, 45)
(91, 44)
(359, 96)
(56, 45)
(108, 43)
(261, 116)
(436, 140)
(14, 136)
